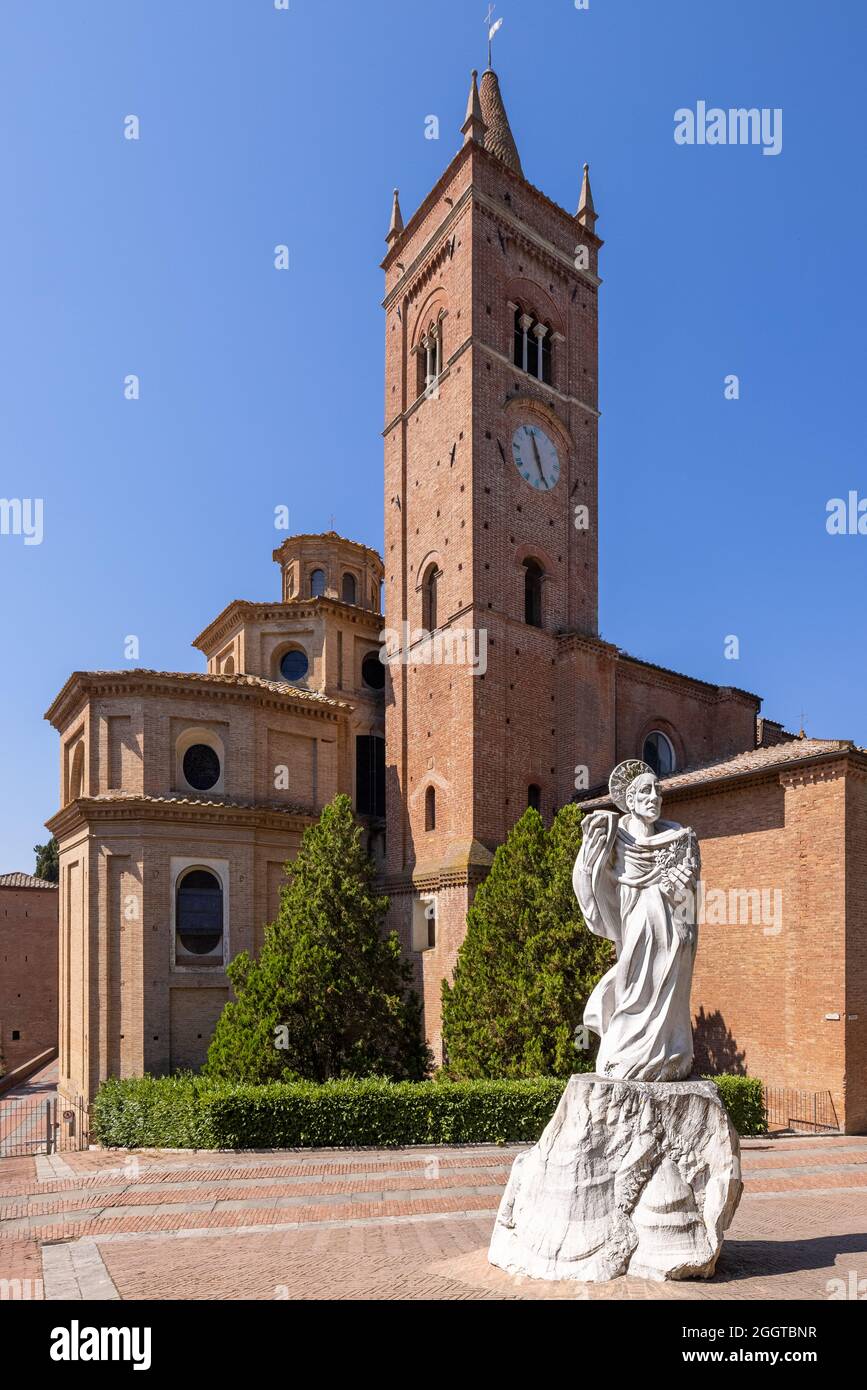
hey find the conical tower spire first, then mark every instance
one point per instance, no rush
(474, 123)
(396, 225)
(586, 213)
(498, 135)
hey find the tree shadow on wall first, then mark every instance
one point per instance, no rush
(716, 1050)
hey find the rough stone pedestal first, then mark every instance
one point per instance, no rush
(630, 1177)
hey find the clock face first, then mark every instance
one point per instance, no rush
(536, 457)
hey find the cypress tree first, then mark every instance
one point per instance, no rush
(527, 963)
(329, 995)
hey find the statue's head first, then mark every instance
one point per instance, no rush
(634, 787)
(643, 797)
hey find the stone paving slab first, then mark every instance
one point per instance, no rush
(390, 1224)
(769, 1257)
(76, 1271)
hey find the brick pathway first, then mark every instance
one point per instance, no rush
(406, 1224)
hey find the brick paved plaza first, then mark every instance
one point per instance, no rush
(409, 1224)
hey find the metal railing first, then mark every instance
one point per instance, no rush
(805, 1112)
(34, 1125)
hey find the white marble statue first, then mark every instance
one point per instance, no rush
(635, 878)
(638, 1171)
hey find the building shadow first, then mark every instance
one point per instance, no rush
(750, 1259)
(715, 1047)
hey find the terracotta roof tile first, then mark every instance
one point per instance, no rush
(106, 798)
(753, 760)
(19, 880)
(205, 678)
(329, 536)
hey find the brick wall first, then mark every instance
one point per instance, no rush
(855, 1018)
(130, 1002)
(125, 993)
(766, 986)
(28, 973)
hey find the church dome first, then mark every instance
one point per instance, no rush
(330, 566)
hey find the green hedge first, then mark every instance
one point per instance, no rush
(185, 1112)
(188, 1112)
(743, 1098)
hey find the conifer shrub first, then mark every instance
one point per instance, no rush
(527, 963)
(330, 994)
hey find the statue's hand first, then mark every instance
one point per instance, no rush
(681, 874)
(676, 882)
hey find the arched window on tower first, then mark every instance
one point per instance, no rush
(534, 796)
(349, 589)
(429, 355)
(429, 598)
(317, 583)
(533, 575)
(430, 809)
(532, 345)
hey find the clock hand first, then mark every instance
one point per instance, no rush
(538, 459)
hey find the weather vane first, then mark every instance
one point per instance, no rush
(492, 29)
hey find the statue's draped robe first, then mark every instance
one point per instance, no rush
(640, 1008)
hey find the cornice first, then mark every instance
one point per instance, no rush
(813, 772)
(645, 672)
(419, 401)
(417, 273)
(533, 241)
(420, 269)
(588, 642)
(472, 148)
(431, 882)
(85, 686)
(240, 610)
(329, 538)
(535, 393)
(528, 396)
(88, 811)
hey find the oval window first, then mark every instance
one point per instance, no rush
(199, 913)
(373, 671)
(201, 767)
(294, 665)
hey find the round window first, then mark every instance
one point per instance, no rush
(373, 671)
(201, 767)
(294, 665)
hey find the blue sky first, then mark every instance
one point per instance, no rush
(261, 388)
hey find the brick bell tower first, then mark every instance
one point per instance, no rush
(490, 524)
